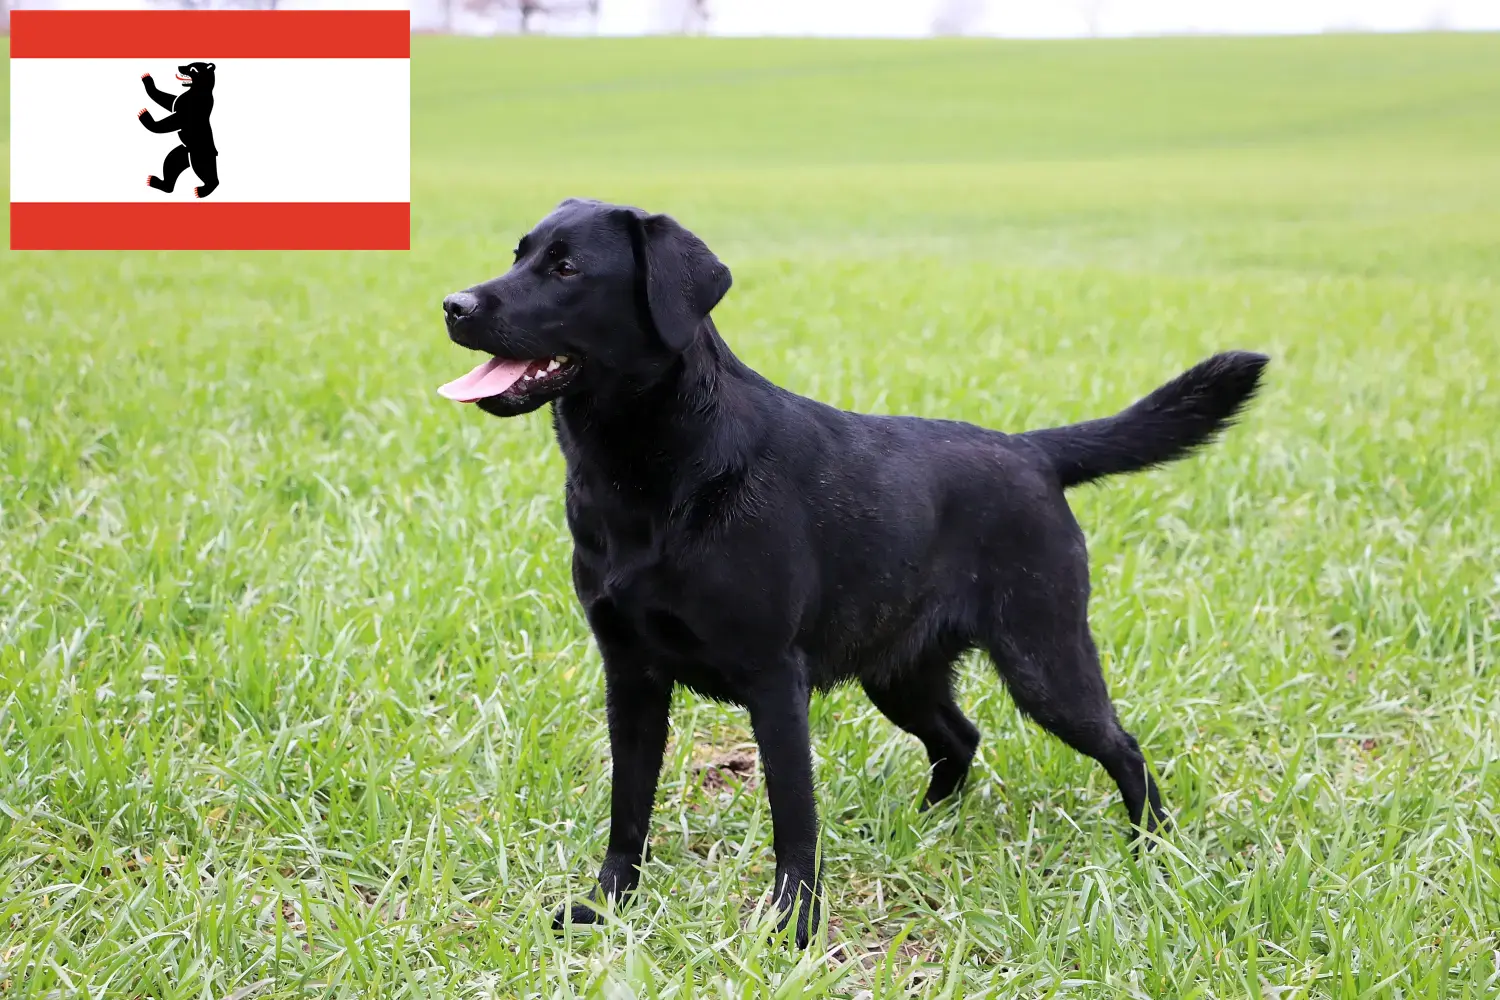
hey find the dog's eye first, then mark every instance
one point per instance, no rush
(565, 269)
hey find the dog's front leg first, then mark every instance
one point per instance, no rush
(638, 708)
(778, 714)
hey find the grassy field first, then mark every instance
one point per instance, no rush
(295, 699)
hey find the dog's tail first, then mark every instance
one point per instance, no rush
(1169, 424)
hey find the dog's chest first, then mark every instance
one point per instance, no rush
(630, 579)
(664, 615)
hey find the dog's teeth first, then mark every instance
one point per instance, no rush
(528, 377)
(553, 365)
(562, 359)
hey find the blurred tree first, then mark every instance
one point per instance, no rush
(957, 17)
(689, 17)
(219, 4)
(1092, 11)
(526, 10)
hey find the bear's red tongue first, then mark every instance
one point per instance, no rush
(489, 379)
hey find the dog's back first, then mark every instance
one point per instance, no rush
(919, 530)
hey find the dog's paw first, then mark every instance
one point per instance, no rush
(1157, 827)
(805, 908)
(578, 914)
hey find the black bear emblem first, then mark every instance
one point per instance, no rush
(189, 119)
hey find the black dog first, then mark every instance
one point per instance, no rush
(756, 545)
(189, 119)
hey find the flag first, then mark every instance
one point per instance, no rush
(210, 130)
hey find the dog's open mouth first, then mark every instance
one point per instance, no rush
(506, 377)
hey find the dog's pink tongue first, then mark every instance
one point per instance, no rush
(489, 379)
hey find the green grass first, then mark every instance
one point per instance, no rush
(295, 699)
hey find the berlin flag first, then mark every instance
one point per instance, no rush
(219, 129)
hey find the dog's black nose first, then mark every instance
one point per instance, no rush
(458, 305)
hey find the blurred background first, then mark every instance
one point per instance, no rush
(898, 18)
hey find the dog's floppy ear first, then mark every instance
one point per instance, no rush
(682, 278)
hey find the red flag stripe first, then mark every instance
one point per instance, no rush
(224, 225)
(210, 34)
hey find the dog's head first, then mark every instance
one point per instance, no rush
(597, 292)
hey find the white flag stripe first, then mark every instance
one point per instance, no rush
(287, 130)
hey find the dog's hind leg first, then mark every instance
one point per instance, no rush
(1052, 670)
(921, 703)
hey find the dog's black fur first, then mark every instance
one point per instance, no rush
(755, 545)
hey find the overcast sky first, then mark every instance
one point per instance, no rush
(1051, 18)
(1017, 18)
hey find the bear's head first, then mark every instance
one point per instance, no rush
(197, 74)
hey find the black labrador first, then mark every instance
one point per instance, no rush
(756, 545)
